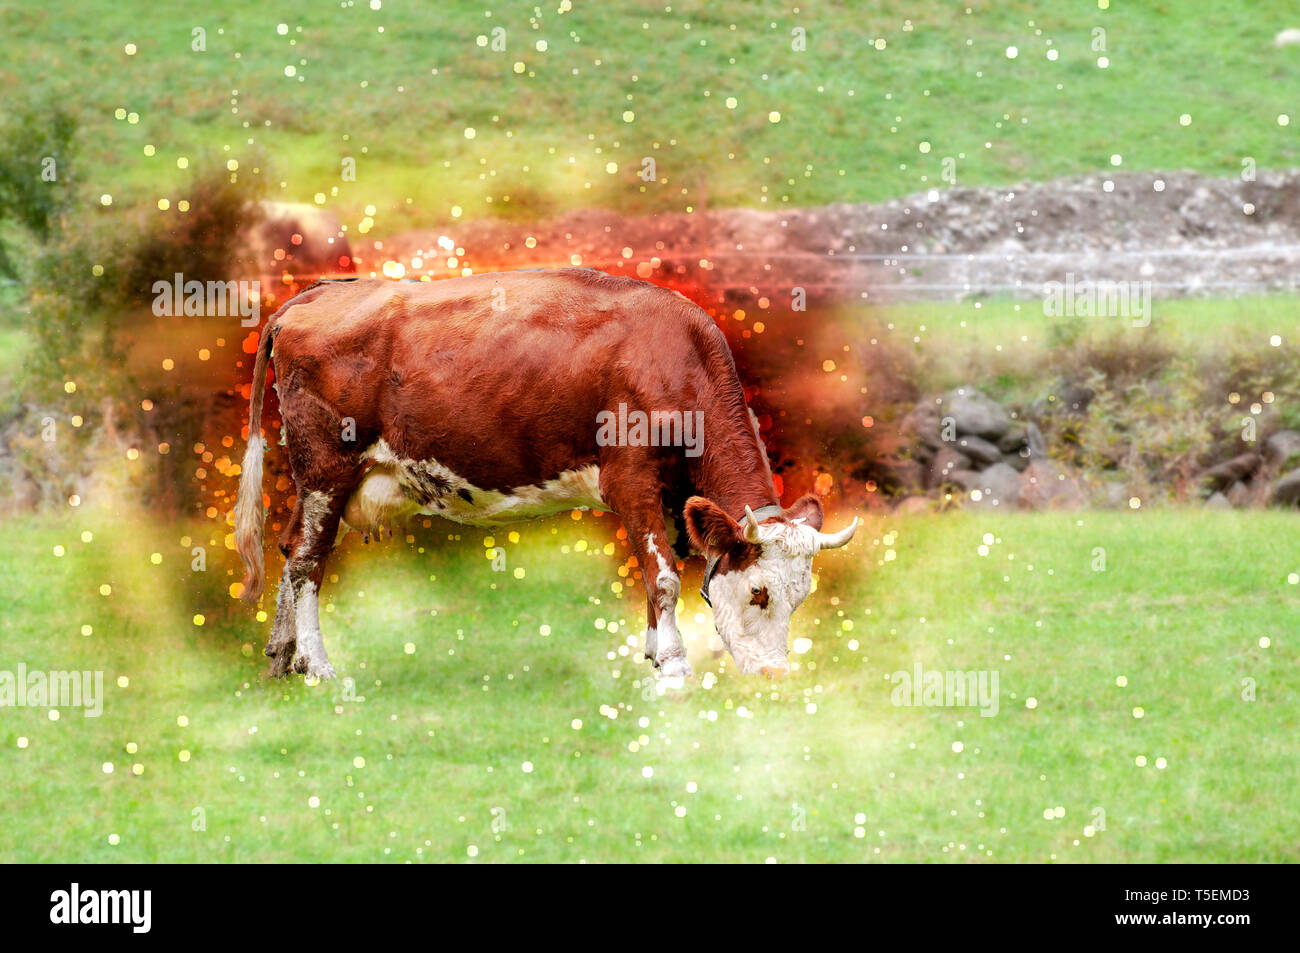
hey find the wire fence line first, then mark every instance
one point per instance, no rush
(867, 280)
(1092, 256)
(1256, 250)
(976, 287)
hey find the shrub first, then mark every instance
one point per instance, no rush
(35, 179)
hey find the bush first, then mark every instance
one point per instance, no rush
(84, 269)
(203, 243)
(35, 179)
(1153, 433)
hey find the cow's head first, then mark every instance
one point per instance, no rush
(760, 570)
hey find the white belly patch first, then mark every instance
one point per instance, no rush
(394, 489)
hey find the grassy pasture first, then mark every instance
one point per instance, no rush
(466, 734)
(869, 109)
(459, 731)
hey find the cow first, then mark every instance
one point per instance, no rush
(490, 399)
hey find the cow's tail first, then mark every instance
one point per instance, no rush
(249, 512)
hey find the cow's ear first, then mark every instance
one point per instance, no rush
(710, 529)
(809, 508)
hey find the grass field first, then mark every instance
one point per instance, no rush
(465, 734)
(1013, 349)
(1146, 660)
(880, 96)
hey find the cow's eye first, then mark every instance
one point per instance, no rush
(758, 596)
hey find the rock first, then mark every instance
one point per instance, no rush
(979, 449)
(998, 486)
(964, 479)
(945, 463)
(974, 414)
(920, 426)
(25, 494)
(906, 475)
(1239, 494)
(1280, 447)
(1231, 471)
(1014, 438)
(1286, 489)
(921, 452)
(1044, 486)
(1037, 445)
(1115, 495)
(914, 504)
(1199, 213)
(1217, 501)
(1017, 461)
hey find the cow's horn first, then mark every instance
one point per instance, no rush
(836, 540)
(751, 526)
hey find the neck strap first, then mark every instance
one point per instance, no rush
(760, 514)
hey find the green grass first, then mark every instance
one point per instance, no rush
(762, 770)
(14, 345)
(413, 755)
(1010, 349)
(853, 117)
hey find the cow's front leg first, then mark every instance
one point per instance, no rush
(631, 485)
(651, 635)
(662, 590)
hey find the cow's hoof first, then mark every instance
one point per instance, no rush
(281, 659)
(675, 669)
(312, 668)
(274, 648)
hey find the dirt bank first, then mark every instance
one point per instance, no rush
(1187, 234)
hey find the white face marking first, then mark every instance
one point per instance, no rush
(758, 636)
(391, 491)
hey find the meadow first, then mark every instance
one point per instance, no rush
(1145, 658)
(1012, 351)
(736, 107)
(1147, 680)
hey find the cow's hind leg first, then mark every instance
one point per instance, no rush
(324, 455)
(284, 631)
(310, 538)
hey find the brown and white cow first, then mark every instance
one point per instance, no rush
(487, 400)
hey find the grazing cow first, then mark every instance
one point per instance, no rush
(502, 397)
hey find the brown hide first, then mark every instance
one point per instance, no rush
(500, 378)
